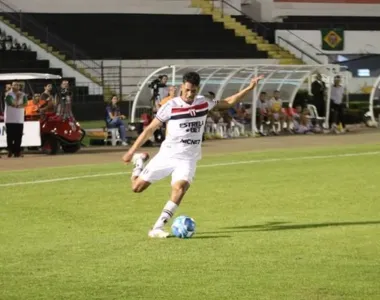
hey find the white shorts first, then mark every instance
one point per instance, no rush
(160, 167)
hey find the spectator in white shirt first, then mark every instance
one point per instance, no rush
(336, 104)
(15, 102)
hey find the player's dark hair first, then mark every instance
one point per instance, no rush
(192, 77)
(263, 93)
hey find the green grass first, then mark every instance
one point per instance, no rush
(267, 229)
(95, 124)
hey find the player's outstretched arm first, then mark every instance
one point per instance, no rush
(143, 137)
(230, 101)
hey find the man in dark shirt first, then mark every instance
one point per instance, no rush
(114, 119)
(318, 89)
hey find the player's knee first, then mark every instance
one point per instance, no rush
(137, 189)
(139, 186)
(181, 187)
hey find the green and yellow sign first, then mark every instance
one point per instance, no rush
(332, 39)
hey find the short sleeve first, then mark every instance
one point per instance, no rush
(164, 112)
(45, 97)
(9, 100)
(259, 104)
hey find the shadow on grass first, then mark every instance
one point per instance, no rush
(210, 236)
(276, 226)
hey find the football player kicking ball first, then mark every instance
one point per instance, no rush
(186, 117)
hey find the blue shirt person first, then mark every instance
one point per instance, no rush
(114, 119)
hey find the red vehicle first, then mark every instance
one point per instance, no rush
(54, 131)
(59, 133)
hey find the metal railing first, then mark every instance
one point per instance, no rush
(303, 53)
(259, 27)
(29, 26)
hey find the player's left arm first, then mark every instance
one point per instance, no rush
(232, 100)
(162, 116)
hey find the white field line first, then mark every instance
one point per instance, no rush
(232, 163)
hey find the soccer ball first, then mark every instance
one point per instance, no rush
(183, 227)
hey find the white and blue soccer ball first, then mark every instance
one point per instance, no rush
(183, 227)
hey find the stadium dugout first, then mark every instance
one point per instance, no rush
(224, 80)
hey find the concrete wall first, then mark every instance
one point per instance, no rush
(102, 6)
(355, 42)
(273, 10)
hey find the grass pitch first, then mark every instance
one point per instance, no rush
(276, 225)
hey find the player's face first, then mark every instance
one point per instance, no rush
(276, 95)
(189, 91)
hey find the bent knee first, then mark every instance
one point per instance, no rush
(137, 189)
(181, 187)
(139, 186)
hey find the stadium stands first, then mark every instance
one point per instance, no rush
(24, 61)
(142, 36)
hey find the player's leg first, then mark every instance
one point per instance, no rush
(341, 117)
(142, 177)
(18, 140)
(138, 184)
(182, 177)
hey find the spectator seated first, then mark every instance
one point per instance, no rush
(301, 121)
(114, 122)
(239, 118)
(216, 125)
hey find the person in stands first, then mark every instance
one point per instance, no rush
(47, 96)
(337, 106)
(172, 94)
(64, 101)
(114, 119)
(15, 102)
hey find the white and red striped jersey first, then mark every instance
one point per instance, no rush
(185, 126)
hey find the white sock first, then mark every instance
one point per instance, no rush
(166, 214)
(139, 166)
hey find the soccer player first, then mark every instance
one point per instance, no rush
(186, 118)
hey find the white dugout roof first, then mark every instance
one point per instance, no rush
(225, 80)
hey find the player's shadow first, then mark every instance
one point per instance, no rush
(210, 236)
(203, 236)
(277, 226)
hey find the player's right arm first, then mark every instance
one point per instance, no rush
(162, 116)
